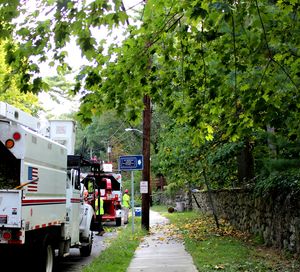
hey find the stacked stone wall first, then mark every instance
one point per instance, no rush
(276, 219)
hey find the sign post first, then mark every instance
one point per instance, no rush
(132, 201)
(131, 163)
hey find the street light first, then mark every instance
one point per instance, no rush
(133, 129)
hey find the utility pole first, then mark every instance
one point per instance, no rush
(146, 151)
(146, 155)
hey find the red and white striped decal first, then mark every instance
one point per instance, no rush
(75, 200)
(46, 225)
(52, 201)
(32, 187)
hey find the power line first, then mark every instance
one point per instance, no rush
(116, 130)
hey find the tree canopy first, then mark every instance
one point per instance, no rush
(10, 93)
(227, 72)
(217, 65)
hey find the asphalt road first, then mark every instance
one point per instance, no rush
(19, 260)
(75, 263)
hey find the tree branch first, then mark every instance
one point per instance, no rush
(265, 70)
(123, 8)
(270, 53)
(235, 61)
(204, 63)
(264, 30)
(149, 44)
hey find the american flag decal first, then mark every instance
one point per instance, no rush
(33, 173)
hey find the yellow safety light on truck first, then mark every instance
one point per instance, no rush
(10, 143)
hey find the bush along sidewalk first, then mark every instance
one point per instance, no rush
(117, 256)
(224, 248)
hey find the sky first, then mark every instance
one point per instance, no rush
(75, 61)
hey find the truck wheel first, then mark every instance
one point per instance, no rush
(118, 221)
(86, 249)
(49, 258)
(45, 260)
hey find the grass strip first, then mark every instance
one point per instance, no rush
(224, 249)
(117, 256)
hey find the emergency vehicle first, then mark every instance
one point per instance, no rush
(41, 198)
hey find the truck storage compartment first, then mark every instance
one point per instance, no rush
(9, 169)
(10, 208)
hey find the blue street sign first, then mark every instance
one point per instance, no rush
(133, 162)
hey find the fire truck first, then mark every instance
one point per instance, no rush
(42, 211)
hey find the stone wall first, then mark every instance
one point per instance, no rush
(276, 218)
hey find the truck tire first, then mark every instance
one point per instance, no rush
(118, 221)
(49, 258)
(86, 249)
(44, 257)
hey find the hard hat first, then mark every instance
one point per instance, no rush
(126, 190)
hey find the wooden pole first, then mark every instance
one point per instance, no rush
(146, 154)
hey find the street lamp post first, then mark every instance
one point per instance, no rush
(133, 129)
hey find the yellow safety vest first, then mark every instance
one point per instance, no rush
(126, 200)
(99, 211)
(90, 186)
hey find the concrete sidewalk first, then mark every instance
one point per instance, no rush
(161, 250)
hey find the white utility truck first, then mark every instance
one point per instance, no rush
(41, 199)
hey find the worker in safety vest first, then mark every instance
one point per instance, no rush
(99, 212)
(126, 205)
(91, 185)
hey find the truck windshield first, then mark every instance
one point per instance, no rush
(9, 169)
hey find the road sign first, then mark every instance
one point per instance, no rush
(144, 187)
(129, 163)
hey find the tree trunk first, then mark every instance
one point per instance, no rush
(245, 164)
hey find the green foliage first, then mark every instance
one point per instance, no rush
(59, 89)
(107, 130)
(224, 152)
(177, 158)
(277, 160)
(279, 183)
(280, 165)
(8, 11)
(222, 164)
(215, 66)
(10, 93)
(223, 71)
(45, 31)
(182, 162)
